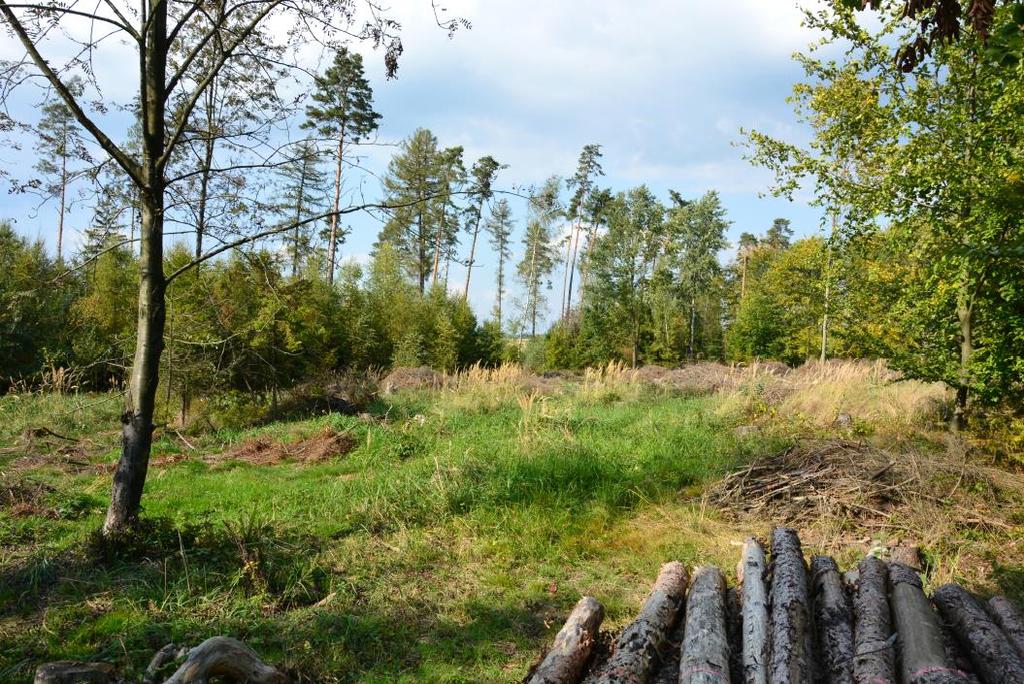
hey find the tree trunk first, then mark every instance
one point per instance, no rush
(922, 656)
(875, 655)
(564, 663)
(63, 191)
(1010, 619)
(791, 661)
(565, 276)
(833, 621)
(572, 265)
(705, 657)
(472, 254)
(751, 573)
(332, 245)
(993, 655)
(693, 327)
(137, 420)
(297, 234)
(204, 178)
(964, 316)
(828, 288)
(637, 648)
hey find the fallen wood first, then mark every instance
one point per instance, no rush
(875, 659)
(791, 661)
(1010, 619)
(228, 658)
(833, 621)
(705, 652)
(994, 657)
(74, 672)
(754, 605)
(922, 656)
(636, 650)
(564, 663)
(955, 655)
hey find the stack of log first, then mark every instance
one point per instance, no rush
(790, 622)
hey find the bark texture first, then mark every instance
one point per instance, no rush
(752, 572)
(874, 643)
(833, 621)
(734, 627)
(636, 650)
(1009, 617)
(791, 661)
(564, 663)
(705, 652)
(922, 656)
(994, 657)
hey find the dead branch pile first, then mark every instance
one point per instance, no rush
(873, 625)
(815, 479)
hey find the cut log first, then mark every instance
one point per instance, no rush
(564, 663)
(228, 658)
(955, 655)
(74, 672)
(875, 660)
(994, 658)
(705, 653)
(752, 572)
(791, 661)
(637, 648)
(1009, 617)
(833, 621)
(922, 656)
(734, 629)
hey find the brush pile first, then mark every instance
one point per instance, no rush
(793, 622)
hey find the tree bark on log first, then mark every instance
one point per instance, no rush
(752, 571)
(955, 655)
(922, 656)
(994, 657)
(225, 657)
(1009, 617)
(564, 663)
(875, 659)
(791, 661)
(705, 651)
(636, 649)
(833, 621)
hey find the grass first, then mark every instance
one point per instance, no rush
(444, 548)
(448, 546)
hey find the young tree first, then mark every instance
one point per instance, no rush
(305, 197)
(343, 111)
(500, 226)
(59, 146)
(534, 270)
(159, 31)
(483, 172)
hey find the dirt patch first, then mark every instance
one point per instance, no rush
(25, 498)
(266, 451)
(423, 377)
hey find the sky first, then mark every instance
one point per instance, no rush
(664, 86)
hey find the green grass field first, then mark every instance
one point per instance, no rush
(451, 538)
(447, 546)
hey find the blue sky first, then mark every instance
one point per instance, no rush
(663, 85)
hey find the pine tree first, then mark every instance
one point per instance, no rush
(539, 255)
(410, 184)
(343, 110)
(59, 147)
(451, 174)
(484, 172)
(106, 229)
(582, 184)
(500, 226)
